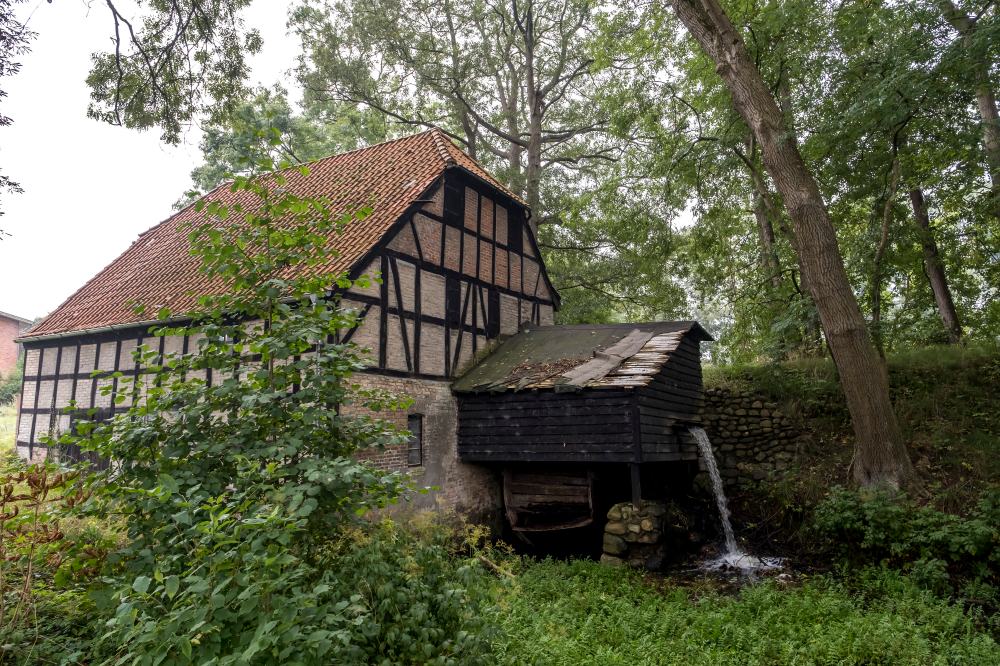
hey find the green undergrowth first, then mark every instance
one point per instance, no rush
(8, 428)
(579, 612)
(945, 399)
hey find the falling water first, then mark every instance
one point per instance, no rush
(733, 557)
(705, 447)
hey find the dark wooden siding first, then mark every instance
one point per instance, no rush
(647, 424)
(589, 426)
(669, 403)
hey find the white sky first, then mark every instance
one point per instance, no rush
(89, 188)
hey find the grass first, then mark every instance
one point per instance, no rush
(579, 613)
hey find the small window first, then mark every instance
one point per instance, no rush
(415, 446)
(454, 203)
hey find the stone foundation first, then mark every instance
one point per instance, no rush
(641, 536)
(471, 490)
(751, 437)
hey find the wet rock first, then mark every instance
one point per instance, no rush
(616, 527)
(614, 545)
(612, 561)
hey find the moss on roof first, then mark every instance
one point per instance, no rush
(540, 353)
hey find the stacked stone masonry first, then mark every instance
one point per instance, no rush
(634, 535)
(752, 438)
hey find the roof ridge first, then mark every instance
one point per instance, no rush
(442, 144)
(394, 173)
(23, 320)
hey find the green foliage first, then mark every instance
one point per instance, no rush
(10, 386)
(187, 58)
(229, 489)
(409, 599)
(586, 613)
(46, 564)
(940, 549)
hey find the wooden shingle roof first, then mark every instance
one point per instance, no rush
(159, 271)
(579, 357)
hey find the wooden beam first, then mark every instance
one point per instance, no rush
(636, 484)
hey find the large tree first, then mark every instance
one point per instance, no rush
(978, 54)
(881, 458)
(512, 81)
(177, 61)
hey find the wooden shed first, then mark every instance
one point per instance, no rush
(576, 398)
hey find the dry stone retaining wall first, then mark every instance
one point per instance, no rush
(752, 438)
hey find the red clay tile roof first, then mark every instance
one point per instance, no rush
(158, 269)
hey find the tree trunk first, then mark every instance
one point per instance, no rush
(762, 207)
(765, 231)
(985, 98)
(883, 243)
(880, 456)
(533, 170)
(934, 267)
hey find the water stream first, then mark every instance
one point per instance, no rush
(733, 557)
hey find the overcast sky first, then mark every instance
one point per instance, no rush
(89, 188)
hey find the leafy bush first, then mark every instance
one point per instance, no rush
(939, 549)
(45, 613)
(410, 599)
(231, 490)
(10, 386)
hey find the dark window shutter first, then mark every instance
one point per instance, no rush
(515, 237)
(493, 315)
(415, 445)
(453, 301)
(454, 202)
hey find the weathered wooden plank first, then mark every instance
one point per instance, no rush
(674, 396)
(590, 396)
(524, 498)
(607, 360)
(511, 420)
(565, 479)
(550, 433)
(503, 413)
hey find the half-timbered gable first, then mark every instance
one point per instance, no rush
(453, 299)
(457, 273)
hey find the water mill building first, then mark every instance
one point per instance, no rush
(511, 414)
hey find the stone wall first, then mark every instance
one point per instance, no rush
(751, 437)
(470, 489)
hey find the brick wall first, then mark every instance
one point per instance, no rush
(9, 330)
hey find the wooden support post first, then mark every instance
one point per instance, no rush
(636, 485)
